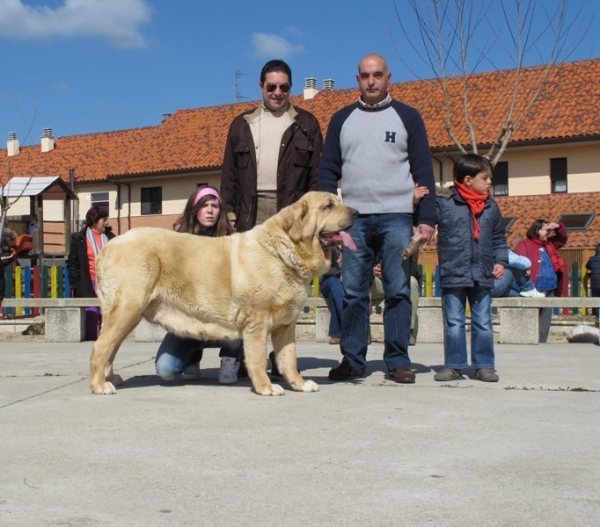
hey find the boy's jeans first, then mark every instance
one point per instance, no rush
(482, 335)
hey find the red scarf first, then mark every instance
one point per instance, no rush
(558, 263)
(476, 203)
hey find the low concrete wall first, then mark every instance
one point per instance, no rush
(518, 319)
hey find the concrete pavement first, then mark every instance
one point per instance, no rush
(523, 451)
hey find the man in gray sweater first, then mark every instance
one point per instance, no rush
(377, 150)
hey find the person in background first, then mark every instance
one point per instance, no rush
(81, 264)
(472, 252)
(516, 280)
(593, 267)
(541, 246)
(33, 225)
(177, 356)
(377, 151)
(332, 290)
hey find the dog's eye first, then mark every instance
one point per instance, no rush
(330, 205)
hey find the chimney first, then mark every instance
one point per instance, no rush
(328, 84)
(12, 145)
(47, 140)
(310, 87)
(165, 117)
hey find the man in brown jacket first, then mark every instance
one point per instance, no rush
(272, 153)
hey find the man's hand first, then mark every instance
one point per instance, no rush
(426, 231)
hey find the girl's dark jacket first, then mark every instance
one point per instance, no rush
(78, 265)
(464, 260)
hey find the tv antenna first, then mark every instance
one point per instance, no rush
(238, 76)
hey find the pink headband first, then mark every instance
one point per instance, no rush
(206, 191)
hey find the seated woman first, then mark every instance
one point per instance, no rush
(332, 290)
(516, 280)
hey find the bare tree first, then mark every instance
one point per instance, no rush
(455, 39)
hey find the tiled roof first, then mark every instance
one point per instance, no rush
(194, 139)
(92, 156)
(549, 207)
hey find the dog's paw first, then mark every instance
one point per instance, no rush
(272, 389)
(309, 386)
(106, 388)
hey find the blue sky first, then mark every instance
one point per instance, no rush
(83, 66)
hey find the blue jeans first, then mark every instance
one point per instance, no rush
(386, 235)
(454, 301)
(514, 281)
(176, 353)
(332, 290)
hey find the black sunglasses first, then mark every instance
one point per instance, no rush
(283, 87)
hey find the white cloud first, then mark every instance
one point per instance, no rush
(273, 46)
(116, 20)
(294, 31)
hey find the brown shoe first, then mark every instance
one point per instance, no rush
(334, 340)
(402, 374)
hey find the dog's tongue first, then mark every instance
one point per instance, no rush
(347, 240)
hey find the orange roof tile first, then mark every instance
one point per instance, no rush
(92, 156)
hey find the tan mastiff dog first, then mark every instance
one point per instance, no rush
(246, 285)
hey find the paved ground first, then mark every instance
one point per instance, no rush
(522, 452)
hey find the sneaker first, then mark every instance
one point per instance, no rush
(486, 375)
(191, 373)
(534, 293)
(448, 374)
(228, 373)
(402, 374)
(344, 372)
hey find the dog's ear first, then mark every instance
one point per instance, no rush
(294, 221)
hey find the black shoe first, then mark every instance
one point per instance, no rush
(344, 372)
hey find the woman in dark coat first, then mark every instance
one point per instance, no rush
(81, 264)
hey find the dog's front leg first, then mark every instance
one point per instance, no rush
(284, 341)
(255, 351)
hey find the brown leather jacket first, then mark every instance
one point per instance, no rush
(297, 171)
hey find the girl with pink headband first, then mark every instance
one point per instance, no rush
(180, 357)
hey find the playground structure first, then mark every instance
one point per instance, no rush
(50, 241)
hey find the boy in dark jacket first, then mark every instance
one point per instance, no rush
(472, 252)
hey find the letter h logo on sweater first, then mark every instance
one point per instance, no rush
(390, 137)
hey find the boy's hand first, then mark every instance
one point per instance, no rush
(498, 271)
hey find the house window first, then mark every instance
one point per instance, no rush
(577, 222)
(152, 200)
(99, 199)
(509, 221)
(500, 179)
(558, 174)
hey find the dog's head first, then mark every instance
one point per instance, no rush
(314, 223)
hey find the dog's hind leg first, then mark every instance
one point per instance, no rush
(117, 323)
(284, 342)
